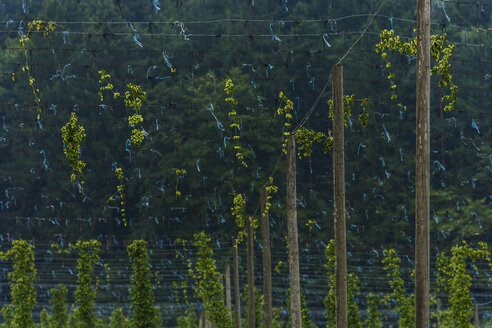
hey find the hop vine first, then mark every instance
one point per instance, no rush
(441, 52)
(134, 98)
(285, 111)
(270, 189)
(305, 139)
(73, 134)
(120, 191)
(234, 121)
(180, 173)
(24, 39)
(238, 213)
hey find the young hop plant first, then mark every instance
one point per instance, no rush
(234, 121)
(73, 134)
(285, 111)
(441, 52)
(21, 282)
(180, 173)
(306, 137)
(134, 98)
(120, 191)
(39, 26)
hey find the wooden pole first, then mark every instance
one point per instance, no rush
(339, 199)
(237, 296)
(422, 167)
(228, 288)
(267, 262)
(251, 275)
(294, 283)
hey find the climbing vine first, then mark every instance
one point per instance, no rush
(285, 111)
(234, 121)
(134, 98)
(441, 52)
(270, 189)
(238, 213)
(85, 293)
(120, 191)
(38, 26)
(188, 319)
(404, 305)
(141, 293)
(58, 303)
(305, 139)
(352, 292)
(373, 319)
(453, 278)
(209, 287)
(73, 134)
(180, 173)
(21, 281)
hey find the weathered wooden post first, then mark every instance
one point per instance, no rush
(237, 295)
(339, 199)
(251, 275)
(422, 167)
(228, 288)
(294, 283)
(267, 262)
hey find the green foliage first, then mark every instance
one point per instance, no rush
(58, 303)
(454, 279)
(21, 281)
(209, 288)
(305, 139)
(259, 306)
(373, 319)
(238, 212)
(180, 173)
(353, 314)
(73, 134)
(348, 100)
(118, 319)
(85, 293)
(38, 26)
(286, 111)
(120, 191)
(441, 52)
(8, 316)
(270, 189)
(234, 120)
(141, 293)
(134, 99)
(45, 319)
(189, 319)
(305, 316)
(405, 305)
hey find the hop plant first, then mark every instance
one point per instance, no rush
(73, 134)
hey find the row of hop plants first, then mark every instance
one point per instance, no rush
(453, 279)
(22, 279)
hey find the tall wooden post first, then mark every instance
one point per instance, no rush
(339, 199)
(267, 262)
(228, 288)
(422, 163)
(251, 276)
(294, 283)
(237, 295)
